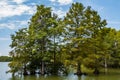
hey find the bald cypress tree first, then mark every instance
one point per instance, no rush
(82, 25)
(20, 52)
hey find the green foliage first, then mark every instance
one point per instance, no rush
(5, 59)
(50, 44)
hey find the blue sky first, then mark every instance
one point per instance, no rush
(15, 14)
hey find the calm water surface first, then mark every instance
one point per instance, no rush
(4, 67)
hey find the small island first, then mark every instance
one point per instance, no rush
(81, 41)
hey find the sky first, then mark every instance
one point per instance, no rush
(15, 14)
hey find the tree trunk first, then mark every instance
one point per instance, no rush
(42, 68)
(79, 70)
(13, 74)
(96, 71)
(105, 65)
(25, 70)
(54, 57)
(32, 72)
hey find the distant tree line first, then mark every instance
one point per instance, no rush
(5, 59)
(51, 44)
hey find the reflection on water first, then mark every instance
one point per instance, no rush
(83, 77)
(46, 77)
(72, 77)
(4, 76)
(3, 68)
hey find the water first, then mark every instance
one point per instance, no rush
(3, 68)
(115, 75)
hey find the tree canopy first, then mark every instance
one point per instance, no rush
(51, 44)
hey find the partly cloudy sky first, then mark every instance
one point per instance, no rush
(15, 14)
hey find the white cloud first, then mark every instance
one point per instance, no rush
(7, 9)
(52, 0)
(7, 25)
(13, 24)
(61, 13)
(19, 1)
(21, 22)
(63, 2)
(4, 39)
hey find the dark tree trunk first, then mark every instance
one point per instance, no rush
(25, 71)
(42, 68)
(32, 72)
(13, 74)
(96, 71)
(78, 70)
(54, 58)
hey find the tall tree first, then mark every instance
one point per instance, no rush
(83, 25)
(20, 52)
(73, 20)
(45, 30)
(115, 52)
(39, 31)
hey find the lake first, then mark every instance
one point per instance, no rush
(115, 75)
